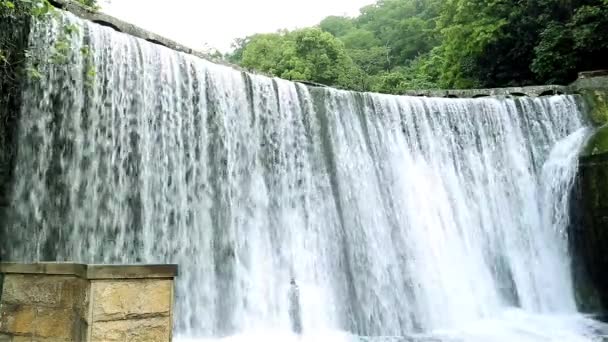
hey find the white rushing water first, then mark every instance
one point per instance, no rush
(401, 218)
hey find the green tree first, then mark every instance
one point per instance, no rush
(394, 45)
(405, 27)
(555, 49)
(308, 55)
(265, 53)
(579, 44)
(337, 26)
(238, 47)
(467, 27)
(360, 39)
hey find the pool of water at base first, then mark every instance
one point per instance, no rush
(512, 326)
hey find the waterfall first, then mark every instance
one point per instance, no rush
(397, 216)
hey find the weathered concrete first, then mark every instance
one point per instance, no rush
(73, 302)
(587, 81)
(474, 93)
(106, 20)
(122, 26)
(590, 80)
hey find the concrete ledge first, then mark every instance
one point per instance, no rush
(592, 74)
(119, 25)
(78, 270)
(103, 19)
(92, 271)
(475, 93)
(131, 271)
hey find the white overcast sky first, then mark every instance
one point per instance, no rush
(218, 22)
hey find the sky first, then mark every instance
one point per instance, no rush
(216, 23)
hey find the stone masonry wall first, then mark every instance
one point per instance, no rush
(43, 308)
(131, 310)
(68, 302)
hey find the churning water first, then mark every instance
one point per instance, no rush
(401, 218)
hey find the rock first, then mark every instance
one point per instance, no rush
(598, 143)
(588, 234)
(17, 319)
(55, 323)
(597, 102)
(20, 289)
(115, 300)
(143, 330)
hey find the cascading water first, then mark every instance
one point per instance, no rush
(397, 216)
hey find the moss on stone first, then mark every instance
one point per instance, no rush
(597, 102)
(598, 143)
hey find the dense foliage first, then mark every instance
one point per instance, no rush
(395, 45)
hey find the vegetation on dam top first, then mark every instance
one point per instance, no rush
(398, 45)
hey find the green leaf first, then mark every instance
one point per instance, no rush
(33, 73)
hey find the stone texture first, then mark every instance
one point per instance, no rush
(17, 319)
(597, 80)
(54, 323)
(131, 271)
(472, 93)
(40, 290)
(588, 233)
(59, 308)
(165, 271)
(141, 330)
(74, 294)
(597, 103)
(45, 268)
(598, 143)
(19, 289)
(119, 300)
(21, 339)
(592, 74)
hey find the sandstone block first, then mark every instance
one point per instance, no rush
(17, 319)
(54, 323)
(55, 302)
(20, 339)
(141, 330)
(73, 293)
(35, 290)
(131, 299)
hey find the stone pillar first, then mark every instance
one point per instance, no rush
(61, 302)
